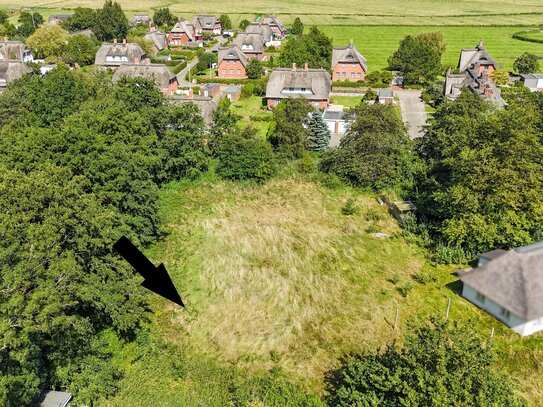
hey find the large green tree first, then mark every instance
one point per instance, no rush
(79, 49)
(419, 58)
(375, 152)
(313, 48)
(527, 63)
(254, 69)
(164, 17)
(111, 22)
(440, 364)
(28, 23)
(287, 133)
(297, 27)
(226, 23)
(48, 41)
(482, 184)
(82, 19)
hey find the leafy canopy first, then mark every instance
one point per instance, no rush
(313, 48)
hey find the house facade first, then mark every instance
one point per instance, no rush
(509, 286)
(533, 81)
(165, 80)
(181, 33)
(252, 45)
(231, 63)
(313, 84)
(15, 51)
(348, 64)
(475, 66)
(116, 54)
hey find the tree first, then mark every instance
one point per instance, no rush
(254, 68)
(80, 50)
(111, 22)
(313, 48)
(375, 152)
(297, 27)
(224, 124)
(163, 17)
(287, 132)
(7, 30)
(226, 23)
(243, 24)
(28, 23)
(369, 96)
(500, 77)
(83, 18)
(526, 63)
(4, 16)
(440, 364)
(481, 180)
(418, 58)
(319, 133)
(48, 41)
(245, 158)
(205, 59)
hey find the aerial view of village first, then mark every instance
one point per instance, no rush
(285, 203)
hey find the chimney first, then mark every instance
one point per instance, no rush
(114, 40)
(191, 94)
(484, 74)
(294, 66)
(482, 87)
(488, 92)
(306, 68)
(124, 40)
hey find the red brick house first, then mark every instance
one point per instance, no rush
(210, 90)
(276, 25)
(312, 84)
(348, 64)
(181, 33)
(232, 63)
(252, 45)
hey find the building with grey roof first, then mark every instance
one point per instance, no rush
(231, 63)
(348, 64)
(116, 54)
(159, 40)
(252, 45)
(141, 19)
(276, 25)
(205, 24)
(509, 286)
(165, 80)
(266, 32)
(475, 66)
(54, 399)
(532, 81)
(312, 84)
(11, 71)
(58, 18)
(15, 51)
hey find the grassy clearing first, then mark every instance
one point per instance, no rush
(278, 270)
(346, 101)
(351, 12)
(378, 43)
(251, 107)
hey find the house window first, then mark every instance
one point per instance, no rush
(239, 71)
(224, 71)
(303, 89)
(353, 65)
(352, 75)
(505, 313)
(337, 74)
(358, 75)
(231, 72)
(343, 65)
(343, 75)
(480, 297)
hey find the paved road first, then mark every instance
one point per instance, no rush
(183, 73)
(413, 113)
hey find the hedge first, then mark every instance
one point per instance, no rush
(520, 36)
(229, 81)
(179, 67)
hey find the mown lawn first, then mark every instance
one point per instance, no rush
(275, 275)
(346, 101)
(378, 43)
(250, 108)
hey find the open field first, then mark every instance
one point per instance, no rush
(319, 12)
(275, 275)
(378, 43)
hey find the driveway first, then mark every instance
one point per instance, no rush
(183, 73)
(413, 113)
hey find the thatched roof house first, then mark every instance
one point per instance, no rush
(159, 73)
(15, 51)
(11, 71)
(117, 54)
(252, 45)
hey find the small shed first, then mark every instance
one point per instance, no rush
(385, 97)
(210, 90)
(232, 93)
(54, 399)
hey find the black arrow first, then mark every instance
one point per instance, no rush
(156, 279)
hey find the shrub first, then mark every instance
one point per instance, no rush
(306, 164)
(448, 254)
(405, 289)
(424, 277)
(245, 159)
(349, 208)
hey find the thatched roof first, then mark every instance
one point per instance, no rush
(262, 29)
(132, 51)
(250, 43)
(273, 21)
(159, 39)
(348, 55)
(184, 27)
(155, 72)
(12, 50)
(317, 83)
(11, 71)
(142, 19)
(232, 53)
(205, 22)
(513, 280)
(478, 55)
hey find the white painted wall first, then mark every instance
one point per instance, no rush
(516, 323)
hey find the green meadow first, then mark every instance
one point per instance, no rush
(378, 43)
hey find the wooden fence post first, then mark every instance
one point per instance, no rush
(448, 308)
(396, 318)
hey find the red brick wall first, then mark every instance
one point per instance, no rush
(231, 69)
(348, 70)
(489, 68)
(170, 90)
(177, 39)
